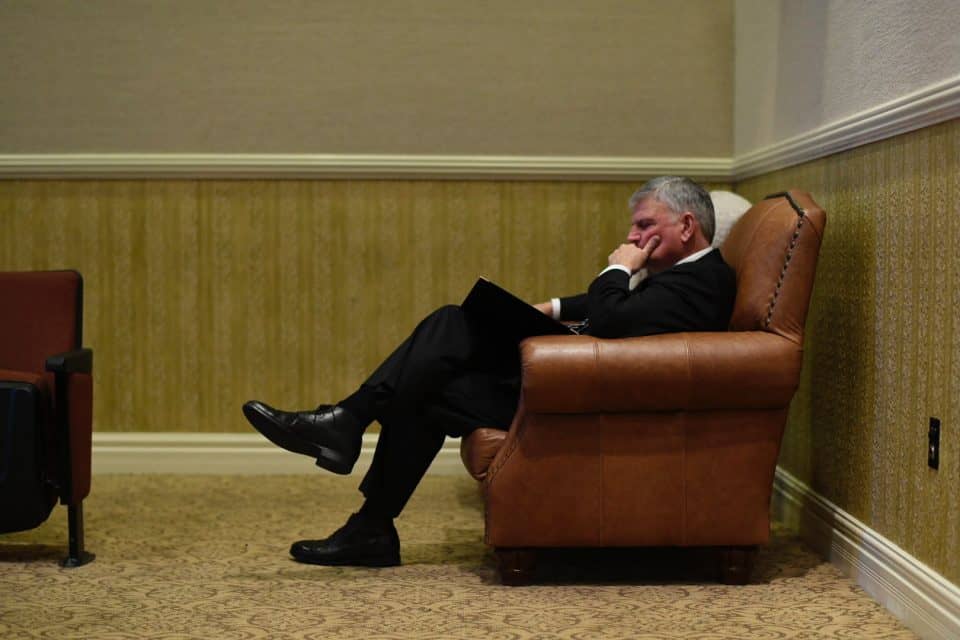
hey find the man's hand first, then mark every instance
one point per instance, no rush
(545, 308)
(633, 257)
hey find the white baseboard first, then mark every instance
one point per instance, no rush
(226, 453)
(923, 600)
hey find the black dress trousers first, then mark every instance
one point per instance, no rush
(449, 377)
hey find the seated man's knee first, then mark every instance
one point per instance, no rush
(446, 313)
(449, 310)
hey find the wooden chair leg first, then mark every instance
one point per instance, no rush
(516, 566)
(736, 563)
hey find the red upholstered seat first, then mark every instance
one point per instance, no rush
(41, 358)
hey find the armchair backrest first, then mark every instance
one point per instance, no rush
(41, 316)
(773, 248)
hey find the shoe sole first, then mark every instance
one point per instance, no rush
(371, 561)
(334, 461)
(326, 458)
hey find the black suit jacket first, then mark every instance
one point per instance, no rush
(693, 296)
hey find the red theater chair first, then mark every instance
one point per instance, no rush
(46, 403)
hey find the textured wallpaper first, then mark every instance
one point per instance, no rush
(202, 294)
(650, 78)
(881, 354)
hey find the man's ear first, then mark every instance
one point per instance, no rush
(689, 226)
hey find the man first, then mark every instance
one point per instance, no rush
(454, 374)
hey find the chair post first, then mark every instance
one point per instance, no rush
(77, 556)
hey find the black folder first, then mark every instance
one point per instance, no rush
(501, 311)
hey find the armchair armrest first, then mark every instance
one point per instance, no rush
(78, 361)
(74, 421)
(668, 372)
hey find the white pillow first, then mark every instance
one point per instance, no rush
(728, 207)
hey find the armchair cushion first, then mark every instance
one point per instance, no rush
(774, 251)
(668, 372)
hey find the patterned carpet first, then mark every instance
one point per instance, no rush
(206, 557)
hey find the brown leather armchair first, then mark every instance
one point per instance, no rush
(666, 440)
(46, 392)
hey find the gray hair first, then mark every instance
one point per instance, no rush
(680, 194)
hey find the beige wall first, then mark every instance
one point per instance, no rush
(882, 349)
(567, 77)
(804, 64)
(881, 346)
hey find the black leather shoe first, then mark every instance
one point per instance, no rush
(329, 434)
(358, 543)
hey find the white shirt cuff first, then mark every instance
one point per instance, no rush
(616, 266)
(556, 308)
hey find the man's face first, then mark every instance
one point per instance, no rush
(654, 218)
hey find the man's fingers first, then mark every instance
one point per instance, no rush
(651, 245)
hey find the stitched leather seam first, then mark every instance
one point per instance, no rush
(603, 448)
(594, 379)
(683, 475)
(683, 454)
(603, 479)
(783, 271)
(494, 469)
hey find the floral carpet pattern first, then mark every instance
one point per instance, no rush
(206, 557)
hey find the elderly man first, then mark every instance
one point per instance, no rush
(453, 374)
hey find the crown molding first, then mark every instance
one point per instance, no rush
(346, 166)
(923, 108)
(931, 105)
